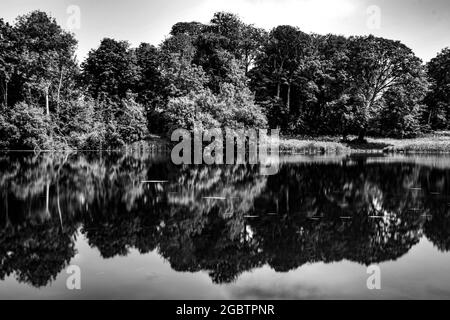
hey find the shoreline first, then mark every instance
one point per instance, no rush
(432, 144)
(437, 143)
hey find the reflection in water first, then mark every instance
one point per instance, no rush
(221, 219)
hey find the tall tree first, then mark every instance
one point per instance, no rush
(46, 53)
(8, 59)
(149, 83)
(321, 80)
(251, 45)
(192, 29)
(110, 70)
(225, 40)
(378, 65)
(276, 69)
(438, 100)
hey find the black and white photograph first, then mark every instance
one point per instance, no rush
(251, 151)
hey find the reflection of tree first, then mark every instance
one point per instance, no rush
(34, 245)
(221, 219)
(437, 227)
(118, 210)
(208, 247)
(35, 253)
(330, 215)
(205, 227)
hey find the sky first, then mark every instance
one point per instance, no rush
(423, 25)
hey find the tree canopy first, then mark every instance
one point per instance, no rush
(222, 73)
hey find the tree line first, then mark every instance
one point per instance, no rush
(222, 74)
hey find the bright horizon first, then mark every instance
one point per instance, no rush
(422, 25)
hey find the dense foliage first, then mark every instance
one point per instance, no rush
(224, 73)
(438, 100)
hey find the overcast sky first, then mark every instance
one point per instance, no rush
(423, 25)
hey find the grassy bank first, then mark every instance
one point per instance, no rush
(430, 144)
(312, 147)
(437, 143)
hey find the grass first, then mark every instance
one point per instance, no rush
(439, 143)
(311, 147)
(436, 143)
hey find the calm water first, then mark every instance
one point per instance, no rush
(139, 227)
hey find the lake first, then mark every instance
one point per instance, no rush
(138, 226)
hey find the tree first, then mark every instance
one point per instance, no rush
(192, 29)
(274, 77)
(46, 54)
(438, 99)
(322, 81)
(378, 65)
(131, 120)
(24, 127)
(232, 107)
(110, 70)
(179, 77)
(402, 109)
(225, 39)
(251, 45)
(149, 84)
(8, 59)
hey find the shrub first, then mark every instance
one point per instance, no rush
(232, 107)
(25, 127)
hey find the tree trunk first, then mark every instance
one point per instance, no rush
(8, 222)
(47, 105)
(47, 200)
(362, 135)
(59, 206)
(345, 135)
(280, 69)
(59, 92)
(6, 93)
(247, 63)
(288, 100)
(287, 200)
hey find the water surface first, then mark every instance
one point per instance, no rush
(140, 227)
